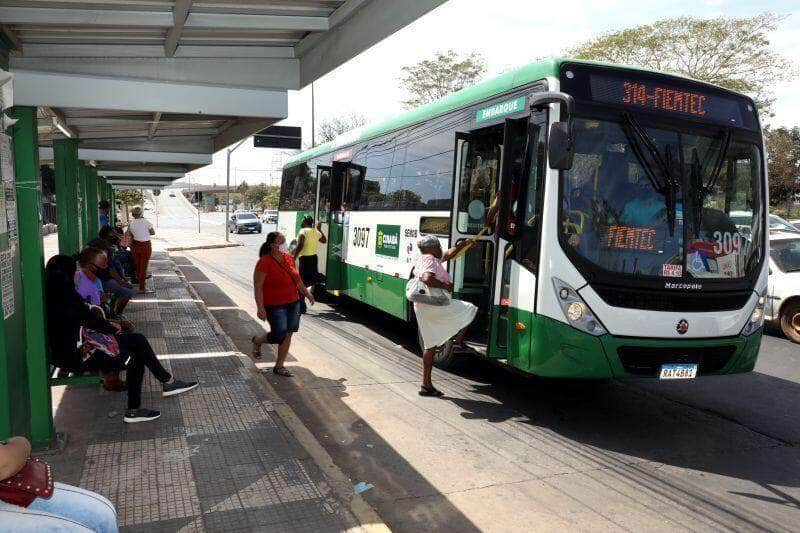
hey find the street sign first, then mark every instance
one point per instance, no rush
(288, 137)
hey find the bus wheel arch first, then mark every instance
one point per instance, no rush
(789, 319)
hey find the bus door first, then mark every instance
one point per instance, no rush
(321, 213)
(346, 183)
(476, 181)
(519, 229)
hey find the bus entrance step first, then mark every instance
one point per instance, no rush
(476, 347)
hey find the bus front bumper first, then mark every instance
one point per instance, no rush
(570, 353)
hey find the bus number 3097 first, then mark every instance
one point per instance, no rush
(361, 237)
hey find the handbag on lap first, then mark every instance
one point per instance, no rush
(35, 480)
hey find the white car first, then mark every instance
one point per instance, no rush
(783, 298)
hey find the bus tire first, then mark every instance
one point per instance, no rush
(790, 320)
(445, 355)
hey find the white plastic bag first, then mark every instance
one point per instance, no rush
(417, 291)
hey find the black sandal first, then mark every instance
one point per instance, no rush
(431, 392)
(256, 351)
(282, 371)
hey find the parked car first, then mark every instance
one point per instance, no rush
(783, 293)
(244, 221)
(271, 216)
(776, 223)
(172, 195)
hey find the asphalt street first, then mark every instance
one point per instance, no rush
(508, 452)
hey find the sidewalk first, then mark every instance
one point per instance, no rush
(220, 458)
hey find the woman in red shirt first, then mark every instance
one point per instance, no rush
(278, 291)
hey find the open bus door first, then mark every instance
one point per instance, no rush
(519, 230)
(489, 161)
(477, 166)
(334, 267)
(345, 191)
(322, 214)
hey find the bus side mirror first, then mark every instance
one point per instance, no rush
(560, 147)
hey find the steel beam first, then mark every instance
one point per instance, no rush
(84, 17)
(151, 131)
(88, 154)
(61, 90)
(38, 50)
(158, 19)
(179, 14)
(61, 119)
(114, 174)
(250, 73)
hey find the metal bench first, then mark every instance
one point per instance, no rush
(59, 376)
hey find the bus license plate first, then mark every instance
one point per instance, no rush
(678, 371)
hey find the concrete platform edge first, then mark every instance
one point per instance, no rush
(367, 516)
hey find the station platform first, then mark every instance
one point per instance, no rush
(219, 458)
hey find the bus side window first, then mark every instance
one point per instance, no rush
(353, 187)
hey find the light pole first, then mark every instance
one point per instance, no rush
(228, 188)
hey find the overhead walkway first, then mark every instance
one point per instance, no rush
(122, 93)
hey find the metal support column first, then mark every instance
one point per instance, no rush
(112, 199)
(65, 154)
(92, 209)
(83, 172)
(31, 251)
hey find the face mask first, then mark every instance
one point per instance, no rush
(283, 247)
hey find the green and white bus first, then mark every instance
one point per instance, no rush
(614, 254)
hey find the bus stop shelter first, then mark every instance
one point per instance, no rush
(135, 93)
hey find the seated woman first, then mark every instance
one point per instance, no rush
(67, 313)
(68, 509)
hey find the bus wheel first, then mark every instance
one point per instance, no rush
(790, 321)
(444, 357)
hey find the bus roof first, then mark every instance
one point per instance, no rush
(505, 82)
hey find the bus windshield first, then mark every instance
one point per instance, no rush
(656, 202)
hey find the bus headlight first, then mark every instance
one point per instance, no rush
(757, 316)
(575, 309)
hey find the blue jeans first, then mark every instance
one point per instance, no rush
(69, 509)
(282, 320)
(111, 285)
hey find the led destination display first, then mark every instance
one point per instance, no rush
(666, 98)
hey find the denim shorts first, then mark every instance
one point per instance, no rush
(282, 319)
(111, 285)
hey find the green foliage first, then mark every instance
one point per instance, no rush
(262, 196)
(332, 128)
(242, 187)
(129, 197)
(446, 72)
(727, 51)
(783, 149)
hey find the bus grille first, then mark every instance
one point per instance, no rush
(671, 301)
(647, 361)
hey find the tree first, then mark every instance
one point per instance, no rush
(728, 51)
(272, 197)
(242, 187)
(129, 197)
(783, 149)
(332, 128)
(445, 73)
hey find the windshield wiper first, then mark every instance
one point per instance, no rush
(669, 187)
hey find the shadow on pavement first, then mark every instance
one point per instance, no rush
(742, 426)
(365, 456)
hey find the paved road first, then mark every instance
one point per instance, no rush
(505, 452)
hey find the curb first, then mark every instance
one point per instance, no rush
(367, 516)
(202, 247)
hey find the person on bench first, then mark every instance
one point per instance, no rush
(114, 284)
(67, 313)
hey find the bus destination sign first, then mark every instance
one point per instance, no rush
(666, 98)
